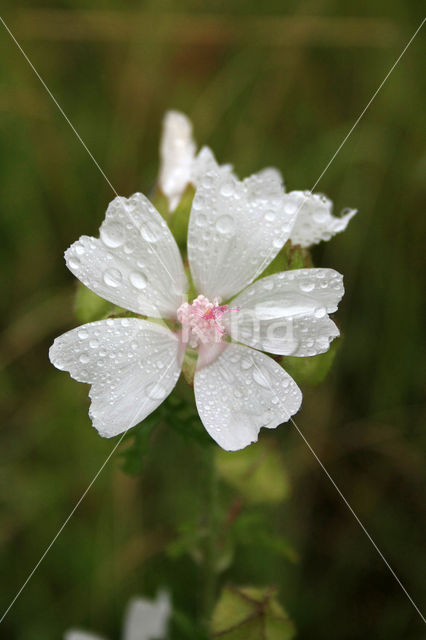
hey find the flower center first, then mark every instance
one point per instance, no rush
(202, 321)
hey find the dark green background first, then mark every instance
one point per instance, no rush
(270, 83)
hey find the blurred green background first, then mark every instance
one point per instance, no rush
(271, 83)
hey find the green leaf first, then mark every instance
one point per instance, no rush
(290, 257)
(179, 219)
(249, 613)
(257, 472)
(132, 458)
(89, 307)
(311, 370)
(253, 530)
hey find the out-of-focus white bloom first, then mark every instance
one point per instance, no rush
(177, 152)
(144, 620)
(235, 230)
(180, 166)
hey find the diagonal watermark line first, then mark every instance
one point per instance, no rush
(311, 449)
(261, 269)
(64, 524)
(58, 105)
(361, 115)
(78, 503)
(74, 130)
(267, 259)
(357, 519)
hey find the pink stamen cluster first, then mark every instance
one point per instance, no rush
(202, 320)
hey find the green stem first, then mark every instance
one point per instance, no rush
(210, 550)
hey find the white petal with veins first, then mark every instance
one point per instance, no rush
(315, 221)
(235, 229)
(286, 313)
(242, 391)
(135, 263)
(131, 364)
(146, 619)
(177, 152)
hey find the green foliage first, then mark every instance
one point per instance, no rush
(248, 613)
(89, 307)
(290, 257)
(252, 531)
(274, 85)
(313, 370)
(257, 472)
(179, 219)
(133, 456)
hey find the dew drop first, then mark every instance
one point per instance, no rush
(82, 334)
(227, 189)
(260, 377)
(150, 231)
(155, 391)
(270, 216)
(320, 312)
(307, 285)
(84, 358)
(112, 234)
(74, 262)
(201, 220)
(246, 363)
(138, 280)
(225, 225)
(112, 277)
(320, 215)
(94, 344)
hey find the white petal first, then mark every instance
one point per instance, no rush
(131, 364)
(147, 620)
(177, 152)
(80, 635)
(205, 162)
(235, 229)
(242, 391)
(136, 263)
(286, 313)
(315, 221)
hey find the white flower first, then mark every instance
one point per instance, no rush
(144, 620)
(180, 166)
(235, 231)
(177, 152)
(315, 221)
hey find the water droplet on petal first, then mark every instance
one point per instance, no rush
(112, 234)
(227, 189)
(201, 220)
(320, 312)
(150, 231)
(225, 225)
(138, 280)
(307, 285)
(261, 378)
(74, 262)
(155, 391)
(84, 358)
(246, 362)
(320, 215)
(270, 216)
(82, 334)
(112, 277)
